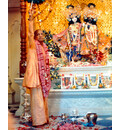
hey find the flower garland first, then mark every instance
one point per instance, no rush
(76, 80)
(91, 83)
(103, 81)
(96, 55)
(74, 31)
(63, 82)
(92, 36)
(95, 33)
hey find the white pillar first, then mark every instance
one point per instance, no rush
(20, 109)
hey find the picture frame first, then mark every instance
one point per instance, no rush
(79, 80)
(93, 80)
(67, 82)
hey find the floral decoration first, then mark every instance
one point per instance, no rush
(51, 45)
(54, 73)
(74, 87)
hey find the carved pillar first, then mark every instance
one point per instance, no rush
(23, 38)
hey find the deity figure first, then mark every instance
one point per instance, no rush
(90, 41)
(90, 19)
(94, 38)
(69, 39)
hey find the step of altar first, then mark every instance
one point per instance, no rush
(83, 100)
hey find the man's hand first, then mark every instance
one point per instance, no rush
(32, 14)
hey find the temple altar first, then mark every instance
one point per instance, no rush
(65, 100)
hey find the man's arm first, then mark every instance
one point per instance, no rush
(31, 34)
(30, 31)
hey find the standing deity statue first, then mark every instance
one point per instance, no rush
(94, 38)
(82, 40)
(69, 40)
(90, 19)
(90, 42)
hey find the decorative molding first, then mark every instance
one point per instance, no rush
(80, 93)
(88, 69)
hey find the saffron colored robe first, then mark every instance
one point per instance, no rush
(39, 104)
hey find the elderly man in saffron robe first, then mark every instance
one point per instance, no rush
(37, 75)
